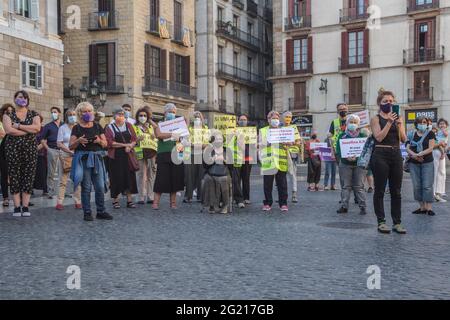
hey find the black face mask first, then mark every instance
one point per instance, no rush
(343, 114)
(313, 137)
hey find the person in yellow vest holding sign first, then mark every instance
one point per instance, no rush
(146, 148)
(294, 153)
(193, 155)
(274, 164)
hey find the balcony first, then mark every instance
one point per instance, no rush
(268, 14)
(113, 84)
(356, 63)
(252, 8)
(353, 15)
(237, 109)
(105, 20)
(296, 68)
(415, 6)
(182, 36)
(222, 105)
(355, 99)
(241, 76)
(423, 56)
(420, 95)
(299, 105)
(297, 23)
(238, 4)
(166, 87)
(230, 32)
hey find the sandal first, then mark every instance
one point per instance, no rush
(131, 205)
(116, 205)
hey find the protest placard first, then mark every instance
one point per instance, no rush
(364, 117)
(200, 136)
(352, 147)
(249, 134)
(177, 125)
(315, 146)
(281, 135)
(223, 122)
(326, 154)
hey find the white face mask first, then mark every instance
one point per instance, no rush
(198, 122)
(55, 116)
(142, 119)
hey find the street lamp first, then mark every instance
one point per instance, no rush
(102, 96)
(83, 93)
(93, 89)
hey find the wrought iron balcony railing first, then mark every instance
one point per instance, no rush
(355, 99)
(284, 69)
(112, 83)
(424, 94)
(222, 105)
(423, 55)
(232, 33)
(299, 105)
(297, 22)
(416, 5)
(355, 62)
(238, 4)
(252, 8)
(353, 14)
(233, 73)
(166, 87)
(104, 20)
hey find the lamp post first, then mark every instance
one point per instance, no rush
(97, 95)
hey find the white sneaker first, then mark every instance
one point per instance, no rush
(241, 205)
(247, 202)
(26, 213)
(439, 199)
(224, 210)
(17, 214)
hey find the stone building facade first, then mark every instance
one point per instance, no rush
(328, 51)
(140, 52)
(31, 53)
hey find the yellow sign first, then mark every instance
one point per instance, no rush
(200, 136)
(412, 116)
(148, 142)
(223, 122)
(250, 134)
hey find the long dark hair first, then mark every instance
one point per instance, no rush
(25, 95)
(3, 109)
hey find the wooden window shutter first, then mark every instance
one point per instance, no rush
(172, 66)
(308, 7)
(39, 76)
(366, 46)
(163, 64)
(35, 9)
(93, 64)
(289, 56)
(24, 73)
(111, 63)
(187, 70)
(344, 46)
(431, 34)
(147, 60)
(291, 9)
(310, 53)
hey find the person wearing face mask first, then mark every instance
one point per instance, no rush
(330, 166)
(193, 165)
(7, 108)
(314, 164)
(128, 116)
(21, 127)
(352, 175)
(121, 139)
(420, 147)
(49, 141)
(274, 164)
(439, 152)
(146, 148)
(88, 169)
(169, 175)
(294, 153)
(386, 162)
(65, 160)
(338, 125)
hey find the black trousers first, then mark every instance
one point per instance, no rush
(387, 167)
(241, 182)
(314, 171)
(4, 171)
(281, 181)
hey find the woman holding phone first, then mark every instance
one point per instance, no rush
(387, 162)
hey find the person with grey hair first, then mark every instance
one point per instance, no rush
(121, 139)
(352, 175)
(193, 164)
(169, 175)
(294, 153)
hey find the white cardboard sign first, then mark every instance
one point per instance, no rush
(281, 135)
(352, 147)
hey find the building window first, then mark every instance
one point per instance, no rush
(355, 91)
(236, 22)
(155, 62)
(250, 65)
(219, 14)
(356, 47)
(178, 69)
(32, 73)
(178, 19)
(220, 54)
(300, 54)
(102, 64)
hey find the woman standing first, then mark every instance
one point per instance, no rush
(420, 147)
(145, 150)
(169, 176)
(387, 163)
(440, 149)
(88, 141)
(21, 126)
(7, 108)
(314, 164)
(121, 142)
(330, 166)
(65, 159)
(351, 175)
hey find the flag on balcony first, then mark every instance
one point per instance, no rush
(186, 37)
(163, 30)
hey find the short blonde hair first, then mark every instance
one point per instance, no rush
(272, 113)
(81, 106)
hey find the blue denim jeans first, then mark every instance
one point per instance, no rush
(91, 178)
(330, 171)
(422, 176)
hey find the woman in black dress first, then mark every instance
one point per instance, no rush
(7, 108)
(121, 142)
(21, 126)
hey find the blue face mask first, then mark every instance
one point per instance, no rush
(72, 119)
(170, 116)
(422, 127)
(352, 127)
(127, 114)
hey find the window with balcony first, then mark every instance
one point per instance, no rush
(155, 69)
(180, 76)
(355, 49)
(425, 49)
(418, 5)
(354, 10)
(105, 18)
(154, 16)
(102, 67)
(299, 14)
(299, 55)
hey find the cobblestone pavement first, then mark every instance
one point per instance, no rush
(311, 252)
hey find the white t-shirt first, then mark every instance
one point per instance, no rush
(64, 133)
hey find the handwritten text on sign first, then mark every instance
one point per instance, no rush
(281, 135)
(352, 147)
(249, 134)
(177, 125)
(223, 122)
